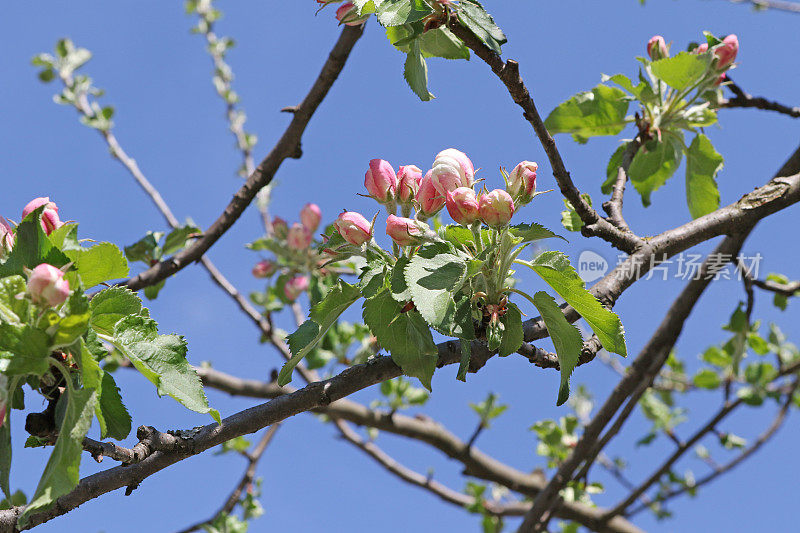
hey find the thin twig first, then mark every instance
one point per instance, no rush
(613, 207)
(247, 478)
(742, 99)
(792, 7)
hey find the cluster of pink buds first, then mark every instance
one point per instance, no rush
(724, 53)
(451, 183)
(347, 13)
(298, 237)
(47, 286)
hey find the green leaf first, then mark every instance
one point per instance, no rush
(611, 170)
(15, 500)
(31, 248)
(75, 323)
(373, 278)
(512, 334)
(702, 165)
(114, 419)
(405, 335)
(652, 166)
(682, 70)
(463, 365)
(29, 349)
(441, 42)
(570, 218)
(566, 339)
(556, 270)
(61, 474)
(176, 239)
(13, 309)
(322, 317)
(600, 111)
(146, 248)
(416, 72)
(151, 291)
(706, 379)
(399, 12)
(400, 290)
(99, 263)
(65, 237)
(110, 305)
(162, 360)
(478, 21)
(532, 232)
(433, 275)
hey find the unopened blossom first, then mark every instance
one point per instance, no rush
(408, 179)
(452, 169)
(462, 204)
(264, 268)
(381, 181)
(310, 216)
(496, 208)
(404, 231)
(47, 286)
(701, 49)
(295, 287)
(50, 220)
(429, 200)
(299, 238)
(6, 238)
(280, 228)
(348, 14)
(726, 52)
(657, 48)
(522, 182)
(354, 228)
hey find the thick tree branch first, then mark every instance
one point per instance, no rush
(287, 147)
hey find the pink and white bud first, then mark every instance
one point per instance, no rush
(348, 14)
(408, 178)
(452, 169)
(657, 48)
(310, 216)
(522, 182)
(264, 269)
(3, 398)
(47, 286)
(381, 181)
(701, 49)
(429, 200)
(280, 228)
(299, 238)
(295, 287)
(496, 208)
(6, 238)
(50, 220)
(354, 228)
(404, 231)
(726, 52)
(462, 204)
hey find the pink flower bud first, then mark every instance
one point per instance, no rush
(522, 182)
(462, 204)
(726, 52)
(408, 178)
(381, 181)
(311, 216)
(657, 48)
(496, 208)
(299, 238)
(295, 287)
(701, 49)
(50, 220)
(6, 238)
(429, 200)
(280, 228)
(354, 228)
(47, 286)
(348, 14)
(264, 269)
(452, 169)
(403, 231)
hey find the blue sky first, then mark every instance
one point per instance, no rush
(170, 120)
